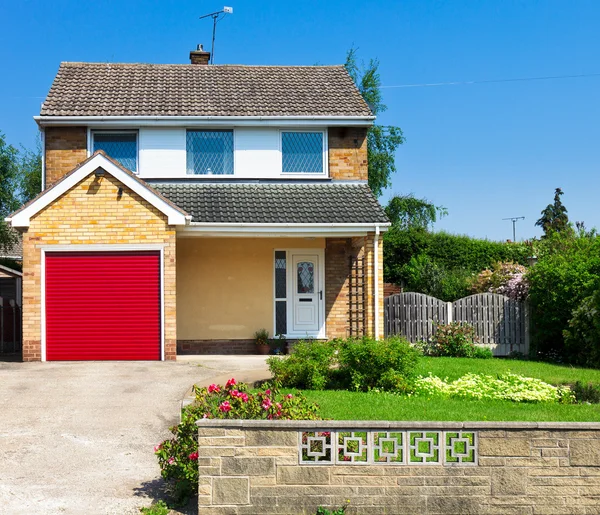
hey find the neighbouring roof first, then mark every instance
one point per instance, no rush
(107, 89)
(15, 251)
(275, 203)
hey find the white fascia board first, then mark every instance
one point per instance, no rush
(22, 219)
(275, 229)
(203, 121)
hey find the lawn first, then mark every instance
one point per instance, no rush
(344, 405)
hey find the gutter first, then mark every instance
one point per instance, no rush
(192, 121)
(376, 279)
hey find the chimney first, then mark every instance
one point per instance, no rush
(199, 56)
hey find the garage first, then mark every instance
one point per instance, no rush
(103, 305)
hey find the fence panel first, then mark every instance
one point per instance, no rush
(10, 327)
(500, 323)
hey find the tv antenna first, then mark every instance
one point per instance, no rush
(514, 220)
(216, 16)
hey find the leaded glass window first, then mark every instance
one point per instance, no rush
(302, 152)
(121, 146)
(280, 292)
(209, 152)
(306, 277)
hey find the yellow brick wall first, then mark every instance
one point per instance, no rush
(348, 153)
(66, 147)
(92, 213)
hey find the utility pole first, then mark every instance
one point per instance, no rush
(514, 221)
(215, 17)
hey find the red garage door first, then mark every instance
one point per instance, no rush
(103, 306)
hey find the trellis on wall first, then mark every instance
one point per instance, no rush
(356, 296)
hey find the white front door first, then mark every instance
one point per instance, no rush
(307, 295)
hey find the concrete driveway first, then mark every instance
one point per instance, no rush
(77, 438)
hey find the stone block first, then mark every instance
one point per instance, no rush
(295, 475)
(504, 447)
(509, 481)
(271, 438)
(585, 453)
(465, 505)
(247, 466)
(231, 490)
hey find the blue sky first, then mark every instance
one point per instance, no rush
(484, 151)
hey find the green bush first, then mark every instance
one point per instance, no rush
(582, 338)
(308, 366)
(159, 508)
(178, 456)
(366, 363)
(422, 274)
(567, 271)
(586, 393)
(454, 340)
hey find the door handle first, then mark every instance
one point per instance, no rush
(320, 294)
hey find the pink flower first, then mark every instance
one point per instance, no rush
(244, 397)
(206, 415)
(266, 404)
(278, 406)
(268, 392)
(234, 393)
(193, 456)
(230, 383)
(225, 407)
(213, 388)
(289, 396)
(157, 447)
(171, 460)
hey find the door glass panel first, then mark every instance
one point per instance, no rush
(305, 271)
(280, 274)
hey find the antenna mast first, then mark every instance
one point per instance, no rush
(514, 221)
(215, 17)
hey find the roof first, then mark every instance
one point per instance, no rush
(108, 89)
(97, 161)
(15, 251)
(11, 271)
(265, 203)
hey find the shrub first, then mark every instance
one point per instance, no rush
(567, 271)
(582, 338)
(422, 274)
(178, 456)
(586, 393)
(455, 340)
(308, 365)
(159, 508)
(510, 387)
(505, 278)
(365, 362)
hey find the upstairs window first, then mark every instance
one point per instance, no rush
(302, 152)
(121, 146)
(209, 152)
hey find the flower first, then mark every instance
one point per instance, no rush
(171, 460)
(266, 404)
(268, 392)
(193, 456)
(289, 396)
(225, 407)
(230, 383)
(244, 397)
(213, 388)
(234, 393)
(206, 415)
(157, 447)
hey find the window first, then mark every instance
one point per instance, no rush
(121, 146)
(209, 152)
(302, 152)
(280, 292)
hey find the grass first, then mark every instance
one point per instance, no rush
(453, 368)
(344, 405)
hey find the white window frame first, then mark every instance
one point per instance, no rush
(211, 129)
(301, 175)
(93, 132)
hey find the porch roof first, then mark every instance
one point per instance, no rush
(267, 203)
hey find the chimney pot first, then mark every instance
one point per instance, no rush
(199, 56)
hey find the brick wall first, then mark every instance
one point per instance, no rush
(93, 213)
(216, 347)
(66, 147)
(348, 153)
(252, 467)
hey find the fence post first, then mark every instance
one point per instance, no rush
(449, 308)
(527, 332)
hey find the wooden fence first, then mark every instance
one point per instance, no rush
(10, 327)
(500, 323)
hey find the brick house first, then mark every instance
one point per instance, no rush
(187, 206)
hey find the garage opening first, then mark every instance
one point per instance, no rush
(103, 306)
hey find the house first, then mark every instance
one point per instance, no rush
(10, 285)
(187, 206)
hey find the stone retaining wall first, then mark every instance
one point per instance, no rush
(257, 467)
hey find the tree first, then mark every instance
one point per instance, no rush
(407, 211)
(554, 217)
(9, 188)
(30, 173)
(382, 141)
